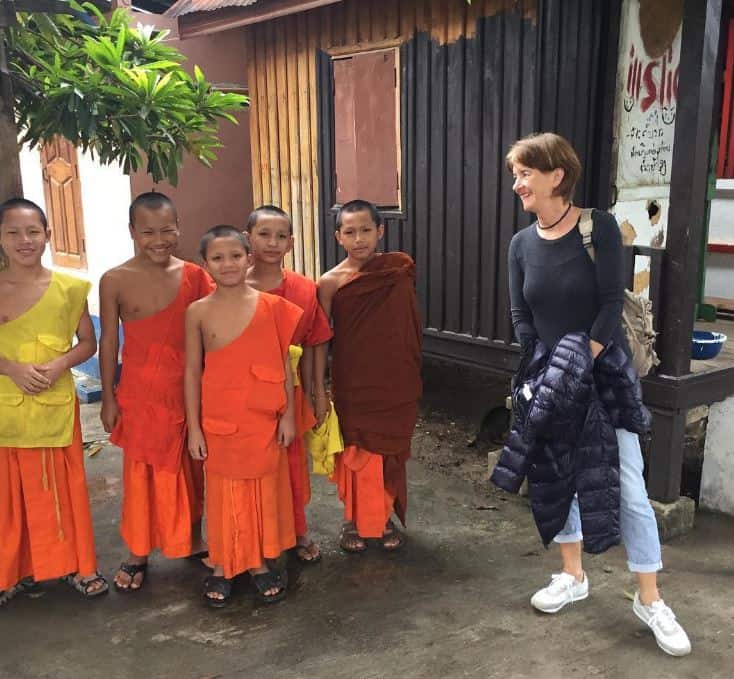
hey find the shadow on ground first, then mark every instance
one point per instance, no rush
(453, 603)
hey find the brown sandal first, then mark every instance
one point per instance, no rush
(392, 533)
(351, 542)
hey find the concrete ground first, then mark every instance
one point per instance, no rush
(453, 603)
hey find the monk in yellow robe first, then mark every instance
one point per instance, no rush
(45, 520)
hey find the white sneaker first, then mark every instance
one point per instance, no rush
(671, 637)
(563, 589)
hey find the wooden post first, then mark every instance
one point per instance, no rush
(686, 223)
(10, 181)
(666, 455)
(691, 150)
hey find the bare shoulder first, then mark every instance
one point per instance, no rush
(120, 273)
(329, 283)
(197, 309)
(176, 264)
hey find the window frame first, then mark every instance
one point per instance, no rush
(387, 212)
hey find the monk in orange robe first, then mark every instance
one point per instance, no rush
(241, 419)
(163, 488)
(45, 521)
(375, 376)
(270, 235)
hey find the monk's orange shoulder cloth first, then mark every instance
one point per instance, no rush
(314, 326)
(151, 427)
(243, 393)
(376, 362)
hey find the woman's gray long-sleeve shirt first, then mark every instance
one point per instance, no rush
(555, 288)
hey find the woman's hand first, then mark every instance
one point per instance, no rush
(596, 348)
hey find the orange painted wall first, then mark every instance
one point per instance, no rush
(221, 194)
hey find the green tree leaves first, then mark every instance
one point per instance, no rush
(114, 90)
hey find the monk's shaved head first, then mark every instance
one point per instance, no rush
(358, 206)
(221, 231)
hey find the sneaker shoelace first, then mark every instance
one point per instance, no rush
(561, 582)
(662, 617)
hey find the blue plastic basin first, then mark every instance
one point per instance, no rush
(706, 344)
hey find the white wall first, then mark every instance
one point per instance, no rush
(717, 485)
(720, 265)
(105, 201)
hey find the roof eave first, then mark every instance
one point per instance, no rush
(205, 23)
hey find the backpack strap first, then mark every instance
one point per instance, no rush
(586, 227)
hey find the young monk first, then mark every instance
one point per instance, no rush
(240, 415)
(162, 487)
(375, 376)
(45, 521)
(270, 235)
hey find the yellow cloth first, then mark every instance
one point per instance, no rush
(42, 333)
(294, 354)
(324, 443)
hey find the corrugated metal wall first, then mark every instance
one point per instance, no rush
(474, 78)
(282, 81)
(541, 66)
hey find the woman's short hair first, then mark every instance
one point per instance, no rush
(547, 151)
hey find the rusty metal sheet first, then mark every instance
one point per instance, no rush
(190, 6)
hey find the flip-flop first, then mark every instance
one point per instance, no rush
(303, 552)
(217, 584)
(270, 580)
(132, 569)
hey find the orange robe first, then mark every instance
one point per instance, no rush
(313, 329)
(45, 521)
(376, 384)
(163, 488)
(249, 505)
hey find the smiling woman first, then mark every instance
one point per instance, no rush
(567, 314)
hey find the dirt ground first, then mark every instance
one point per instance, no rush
(453, 603)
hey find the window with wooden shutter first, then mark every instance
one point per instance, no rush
(366, 128)
(63, 193)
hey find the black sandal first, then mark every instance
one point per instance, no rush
(198, 556)
(217, 584)
(85, 585)
(270, 580)
(132, 569)
(25, 585)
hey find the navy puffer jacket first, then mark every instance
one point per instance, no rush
(566, 407)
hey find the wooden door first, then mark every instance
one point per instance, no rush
(63, 192)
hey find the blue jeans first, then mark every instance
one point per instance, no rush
(636, 517)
